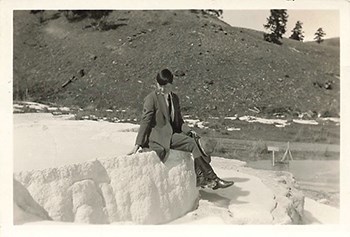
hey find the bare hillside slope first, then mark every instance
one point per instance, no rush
(221, 70)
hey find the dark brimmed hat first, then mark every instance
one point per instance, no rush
(164, 77)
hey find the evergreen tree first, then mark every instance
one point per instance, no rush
(99, 17)
(276, 24)
(319, 35)
(214, 12)
(39, 14)
(297, 32)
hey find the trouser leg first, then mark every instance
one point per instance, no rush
(183, 142)
(159, 150)
(206, 176)
(203, 168)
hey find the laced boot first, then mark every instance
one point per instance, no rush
(220, 183)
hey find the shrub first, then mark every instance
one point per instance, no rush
(258, 148)
(220, 148)
(99, 18)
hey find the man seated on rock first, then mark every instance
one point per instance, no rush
(162, 128)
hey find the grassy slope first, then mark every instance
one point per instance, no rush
(222, 70)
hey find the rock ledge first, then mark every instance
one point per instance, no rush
(137, 189)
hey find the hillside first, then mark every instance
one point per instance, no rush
(335, 42)
(220, 70)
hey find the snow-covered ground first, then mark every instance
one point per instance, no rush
(21, 107)
(280, 123)
(43, 141)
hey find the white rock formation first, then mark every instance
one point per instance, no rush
(288, 207)
(24, 207)
(289, 200)
(137, 189)
(266, 197)
(257, 197)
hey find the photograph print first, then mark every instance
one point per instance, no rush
(193, 116)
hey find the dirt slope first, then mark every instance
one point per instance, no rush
(221, 70)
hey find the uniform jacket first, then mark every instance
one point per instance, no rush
(155, 125)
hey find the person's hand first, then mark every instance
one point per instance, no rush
(134, 150)
(192, 133)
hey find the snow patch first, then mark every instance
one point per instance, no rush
(65, 109)
(34, 105)
(233, 129)
(335, 120)
(276, 122)
(231, 118)
(195, 122)
(52, 109)
(309, 122)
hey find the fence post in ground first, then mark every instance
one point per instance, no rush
(273, 149)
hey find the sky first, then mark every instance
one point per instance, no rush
(311, 19)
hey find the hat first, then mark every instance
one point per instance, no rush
(164, 77)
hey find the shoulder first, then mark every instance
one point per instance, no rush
(151, 97)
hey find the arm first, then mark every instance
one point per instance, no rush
(134, 150)
(185, 128)
(146, 118)
(147, 114)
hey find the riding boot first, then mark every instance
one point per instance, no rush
(206, 176)
(206, 168)
(200, 178)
